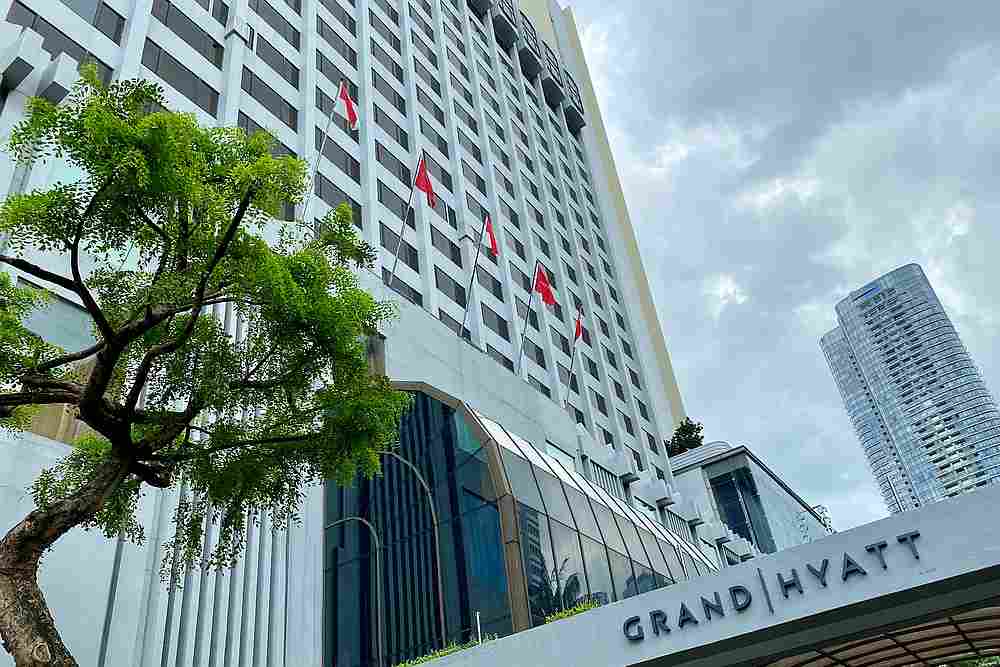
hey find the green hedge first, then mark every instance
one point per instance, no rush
(447, 650)
(581, 607)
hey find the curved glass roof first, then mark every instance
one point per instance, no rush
(546, 465)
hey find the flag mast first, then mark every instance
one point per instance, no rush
(524, 330)
(475, 268)
(406, 214)
(319, 154)
(572, 356)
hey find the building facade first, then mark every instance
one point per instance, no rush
(488, 97)
(913, 589)
(925, 419)
(498, 100)
(526, 530)
(741, 497)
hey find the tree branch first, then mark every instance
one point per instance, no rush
(80, 287)
(152, 225)
(156, 474)
(43, 382)
(277, 440)
(65, 359)
(39, 272)
(162, 266)
(47, 397)
(227, 238)
(142, 374)
(263, 385)
(154, 353)
(250, 373)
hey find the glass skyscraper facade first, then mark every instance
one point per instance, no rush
(925, 419)
(522, 536)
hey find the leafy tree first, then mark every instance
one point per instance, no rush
(687, 436)
(170, 214)
(978, 662)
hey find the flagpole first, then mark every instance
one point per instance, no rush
(475, 267)
(399, 241)
(527, 316)
(572, 366)
(315, 169)
(572, 358)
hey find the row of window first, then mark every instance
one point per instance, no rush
(204, 96)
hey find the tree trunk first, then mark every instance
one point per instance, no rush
(26, 626)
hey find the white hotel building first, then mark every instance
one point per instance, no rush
(498, 98)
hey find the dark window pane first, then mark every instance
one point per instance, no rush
(570, 576)
(270, 99)
(181, 25)
(180, 77)
(536, 549)
(595, 558)
(276, 21)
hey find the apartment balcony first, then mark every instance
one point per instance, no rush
(573, 107)
(505, 23)
(653, 490)
(529, 49)
(609, 458)
(688, 511)
(552, 78)
(480, 7)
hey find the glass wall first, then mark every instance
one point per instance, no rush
(578, 541)
(756, 507)
(474, 576)
(574, 541)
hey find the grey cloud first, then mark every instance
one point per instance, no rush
(791, 68)
(872, 130)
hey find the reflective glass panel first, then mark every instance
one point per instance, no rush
(598, 575)
(536, 550)
(522, 481)
(570, 574)
(585, 521)
(621, 572)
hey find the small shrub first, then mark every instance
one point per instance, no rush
(447, 650)
(580, 607)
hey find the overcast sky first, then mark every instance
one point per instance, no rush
(777, 155)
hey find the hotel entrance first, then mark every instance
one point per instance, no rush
(917, 588)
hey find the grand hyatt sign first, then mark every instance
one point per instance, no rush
(738, 599)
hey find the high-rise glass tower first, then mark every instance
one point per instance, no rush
(923, 414)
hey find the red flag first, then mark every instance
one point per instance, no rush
(494, 249)
(423, 182)
(579, 325)
(349, 107)
(543, 287)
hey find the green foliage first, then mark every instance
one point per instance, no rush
(687, 436)
(19, 349)
(448, 650)
(585, 605)
(978, 662)
(225, 364)
(118, 515)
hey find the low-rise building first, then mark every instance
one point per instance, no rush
(736, 493)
